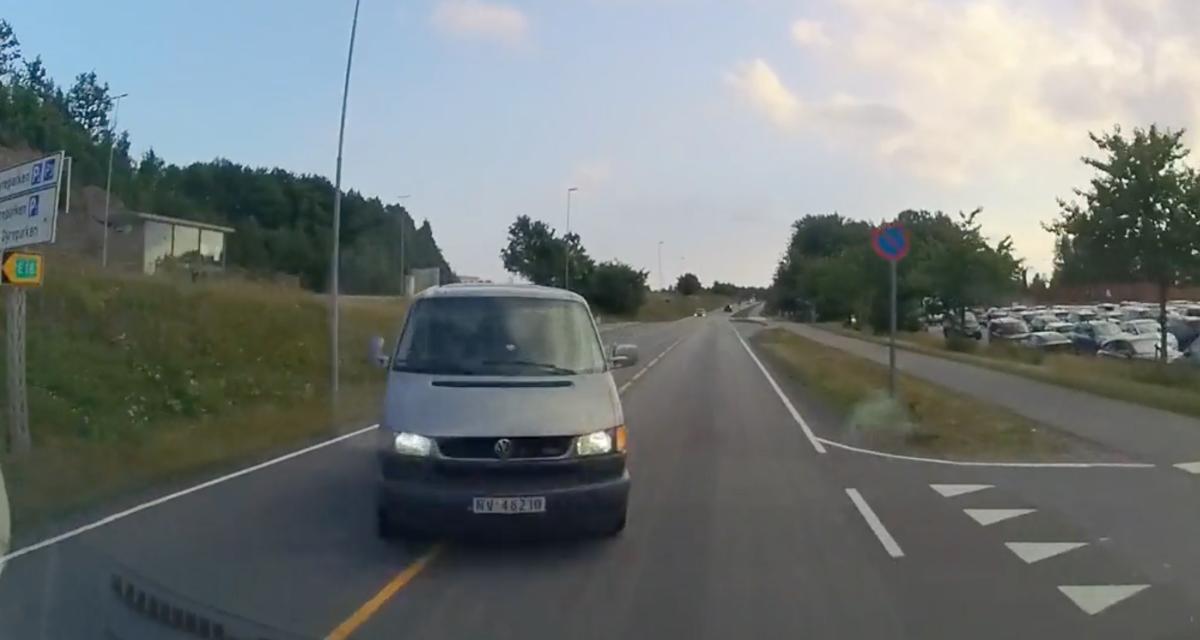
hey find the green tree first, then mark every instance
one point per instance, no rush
(88, 103)
(37, 80)
(1140, 214)
(10, 50)
(536, 253)
(961, 269)
(615, 287)
(724, 288)
(688, 284)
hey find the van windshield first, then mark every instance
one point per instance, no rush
(499, 336)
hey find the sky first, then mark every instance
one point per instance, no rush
(706, 125)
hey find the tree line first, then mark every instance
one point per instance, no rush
(536, 252)
(1137, 220)
(830, 273)
(283, 220)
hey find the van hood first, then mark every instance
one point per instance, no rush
(493, 406)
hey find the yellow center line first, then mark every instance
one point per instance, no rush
(368, 609)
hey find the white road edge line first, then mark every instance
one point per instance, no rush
(880, 531)
(972, 463)
(812, 438)
(178, 494)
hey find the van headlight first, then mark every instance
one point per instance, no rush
(411, 444)
(601, 442)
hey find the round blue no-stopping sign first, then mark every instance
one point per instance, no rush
(890, 242)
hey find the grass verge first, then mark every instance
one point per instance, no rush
(1174, 387)
(930, 420)
(136, 380)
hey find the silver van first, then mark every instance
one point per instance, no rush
(500, 411)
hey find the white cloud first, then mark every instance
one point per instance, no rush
(758, 84)
(489, 21)
(809, 33)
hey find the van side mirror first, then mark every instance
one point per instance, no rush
(623, 355)
(377, 354)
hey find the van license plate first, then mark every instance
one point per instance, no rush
(514, 504)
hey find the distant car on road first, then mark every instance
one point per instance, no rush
(1142, 347)
(700, 313)
(728, 308)
(1048, 341)
(500, 411)
(1009, 328)
(1088, 336)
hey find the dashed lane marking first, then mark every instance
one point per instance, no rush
(641, 372)
(1032, 552)
(1096, 598)
(951, 490)
(873, 521)
(987, 517)
(1190, 467)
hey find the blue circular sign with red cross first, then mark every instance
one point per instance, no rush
(890, 241)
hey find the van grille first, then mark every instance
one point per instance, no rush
(522, 448)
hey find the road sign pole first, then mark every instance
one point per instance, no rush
(892, 336)
(18, 408)
(70, 167)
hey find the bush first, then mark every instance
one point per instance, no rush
(617, 288)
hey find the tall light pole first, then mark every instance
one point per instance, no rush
(403, 278)
(567, 247)
(112, 143)
(337, 219)
(662, 284)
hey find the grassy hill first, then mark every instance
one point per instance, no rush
(134, 380)
(672, 306)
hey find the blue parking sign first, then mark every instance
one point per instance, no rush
(48, 170)
(34, 201)
(37, 174)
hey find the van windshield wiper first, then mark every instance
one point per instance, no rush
(440, 367)
(545, 366)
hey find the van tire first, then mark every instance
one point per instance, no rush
(384, 527)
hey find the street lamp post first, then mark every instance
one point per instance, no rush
(566, 246)
(662, 284)
(337, 219)
(112, 143)
(403, 278)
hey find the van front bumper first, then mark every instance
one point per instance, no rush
(437, 496)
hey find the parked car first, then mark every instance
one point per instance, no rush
(970, 326)
(1149, 327)
(1048, 341)
(1128, 347)
(1039, 321)
(1007, 329)
(1082, 315)
(1088, 336)
(1064, 328)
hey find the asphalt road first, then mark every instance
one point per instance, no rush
(738, 527)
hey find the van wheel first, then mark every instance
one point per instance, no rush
(384, 527)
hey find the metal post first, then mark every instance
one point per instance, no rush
(112, 144)
(662, 284)
(19, 440)
(337, 220)
(70, 162)
(892, 336)
(567, 247)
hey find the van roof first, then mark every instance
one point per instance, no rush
(488, 290)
